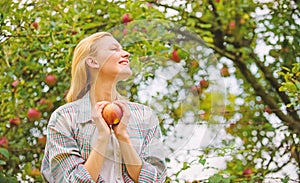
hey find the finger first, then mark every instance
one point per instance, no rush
(124, 107)
(100, 106)
(126, 112)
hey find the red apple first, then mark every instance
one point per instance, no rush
(35, 25)
(16, 121)
(204, 83)
(15, 83)
(196, 90)
(42, 140)
(112, 114)
(247, 172)
(127, 17)
(34, 114)
(232, 25)
(217, 1)
(46, 105)
(175, 57)
(51, 80)
(4, 142)
(224, 72)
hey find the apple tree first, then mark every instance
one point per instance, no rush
(262, 117)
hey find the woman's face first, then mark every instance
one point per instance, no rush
(114, 61)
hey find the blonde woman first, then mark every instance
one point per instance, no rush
(81, 147)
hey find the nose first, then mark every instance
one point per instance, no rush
(125, 54)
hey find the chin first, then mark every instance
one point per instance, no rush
(123, 75)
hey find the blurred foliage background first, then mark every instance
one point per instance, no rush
(234, 65)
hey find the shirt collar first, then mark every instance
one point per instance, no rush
(84, 105)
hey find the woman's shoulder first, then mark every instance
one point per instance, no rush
(142, 111)
(66, 114)
(71, 109)
(71, 106)
(133, 106)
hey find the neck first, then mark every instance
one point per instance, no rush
(103, 91)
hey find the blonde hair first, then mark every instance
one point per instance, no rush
(80, 76)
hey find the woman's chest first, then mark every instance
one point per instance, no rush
(86, 135)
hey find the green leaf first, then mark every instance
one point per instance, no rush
(285, 68)
(185, 166)
(290, 86)
(285, 179)
(2, 162)
(4, 152)
(8, 179)
(296, 68)
(202, 161)
(297, 84)
(216, 178)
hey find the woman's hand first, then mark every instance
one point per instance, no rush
(120, 129)
(104, 130)
(99, 142)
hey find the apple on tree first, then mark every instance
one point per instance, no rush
(45, 104)
(232, 26)
(34, 114)
(204, 83)
(196, 90)
(112, 114)
(4, 142)
(224, 71)
(175, 57)
(126, 18)
(35, 24)
(51, 80)
(42, 140)
(247, 172)
(15, 83)
(16, 121)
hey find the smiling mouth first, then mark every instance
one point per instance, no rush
(124, 62)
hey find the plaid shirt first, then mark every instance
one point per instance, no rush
(71, 132)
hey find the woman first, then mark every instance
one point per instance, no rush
(81, 147)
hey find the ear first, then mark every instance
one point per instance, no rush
(92, 63)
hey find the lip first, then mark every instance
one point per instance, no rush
(124, 62)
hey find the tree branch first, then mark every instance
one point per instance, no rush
(269, 76)
(259, 90)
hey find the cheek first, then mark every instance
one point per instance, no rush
(107, 58)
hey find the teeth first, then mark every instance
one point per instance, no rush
(122, 62)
